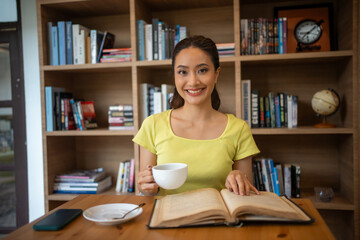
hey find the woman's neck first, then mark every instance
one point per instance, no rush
(196, 113)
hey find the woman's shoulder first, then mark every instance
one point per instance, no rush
(233, 120)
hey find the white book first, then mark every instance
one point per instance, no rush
(287, 180)
(119, 177)
(289, 110)
(182, 33)
(157, 102)
(79, 43)
(295, 111)
(148, 42)
(246, 101)
(166, 90)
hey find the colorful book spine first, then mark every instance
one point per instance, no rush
(281, 39)
(49, 109)
(277, 112)
(254, 108)
(119, 177)
(132, 176)
(69, 44)
(285, 34)
(246, 101)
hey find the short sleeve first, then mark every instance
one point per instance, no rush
(246, 144)
(146, 135)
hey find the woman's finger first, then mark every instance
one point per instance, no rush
(241, 184)
(233, 184)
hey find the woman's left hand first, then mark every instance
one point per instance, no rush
(238, 183)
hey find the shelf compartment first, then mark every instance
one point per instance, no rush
(308, 130)
(95, 132)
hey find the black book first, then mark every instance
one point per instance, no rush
(57, 111)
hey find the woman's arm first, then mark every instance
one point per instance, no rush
(146, 182)
(239, 179)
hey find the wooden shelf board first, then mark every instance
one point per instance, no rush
(98, 67)
(316, 56)
(301, 131)
(68, 197)
(338, 203)
(97, 132)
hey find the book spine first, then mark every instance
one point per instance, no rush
(66, 111)
(62, 42)
(269, 171)
(295, 111)
(275, 178)
(277, 112)
(265, 175)
(149, 42)
(75, 113)
(140, 39)
(132, 176)
(282, 109)
(254, 108)
(287, 180)
(281, 43)
(289, 111)
(69, 45)
(262, 112)
(75, 36)
(272, 109)
(267, 113)
(255, 176)
(49, 109)
(50, 43)
(118, 181)
(81, 42)
(80, 114)
(280, 178)
(55, 46)
(285, 33)
(160, 41)
(93, 45)
(261, 179)
(157, 102)
(276, 35)
(295, 181)
(246, 101)
(155, 25)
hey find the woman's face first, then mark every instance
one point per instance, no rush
(195, 76)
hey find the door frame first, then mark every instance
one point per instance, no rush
(11, 32)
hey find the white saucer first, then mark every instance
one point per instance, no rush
(103, 214)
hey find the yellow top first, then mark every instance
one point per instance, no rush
(209, 161)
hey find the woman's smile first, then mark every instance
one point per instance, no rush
(195, 92)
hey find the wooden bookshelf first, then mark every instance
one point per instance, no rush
(328, 157)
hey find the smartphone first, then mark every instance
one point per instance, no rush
(57, 220)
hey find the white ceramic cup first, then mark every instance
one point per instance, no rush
(170, 175)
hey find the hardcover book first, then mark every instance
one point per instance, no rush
(210, 207)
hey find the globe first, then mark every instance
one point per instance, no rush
(325, 103)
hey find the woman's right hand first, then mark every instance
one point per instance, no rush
(146, 182)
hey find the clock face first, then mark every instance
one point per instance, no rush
(308, 32)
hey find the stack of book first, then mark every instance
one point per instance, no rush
(64, 113)
(126, 177)
(70, 43)
(263, 36)
(271, 177)
(156, 40)
(270, 111)
(116, 55)
(121, 117)
(154, 99)
(82, 182)
(226, 49)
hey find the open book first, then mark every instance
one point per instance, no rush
(209, 207)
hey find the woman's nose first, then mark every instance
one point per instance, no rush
(193, 79)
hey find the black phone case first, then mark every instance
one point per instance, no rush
(57, 220)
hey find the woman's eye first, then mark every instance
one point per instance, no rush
(203, 70)
(181, 72)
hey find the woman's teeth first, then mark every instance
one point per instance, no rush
(193, 92)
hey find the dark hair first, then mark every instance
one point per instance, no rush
(208, 46)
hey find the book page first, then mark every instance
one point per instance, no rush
(188, 208)
(265, 204)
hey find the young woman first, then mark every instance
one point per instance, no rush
(217, 147)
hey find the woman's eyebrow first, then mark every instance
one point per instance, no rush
(202, 64)
(182, 66)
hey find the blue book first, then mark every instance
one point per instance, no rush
(277, 112)
(49, 109)
(177, 35)
(62, 42)
(69, 43)
(55, 46)
(76, 114)
(281, 39)
(140, 39)
(74, 192)
(274, 177)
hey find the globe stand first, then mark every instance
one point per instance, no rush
(324, 124)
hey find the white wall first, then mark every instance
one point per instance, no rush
(33, 110)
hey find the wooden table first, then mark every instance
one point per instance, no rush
(81, 228)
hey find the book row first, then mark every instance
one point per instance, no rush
(156, 40)
(263, 36)
(70, 43)
(65, 113)
(270, 111)
(154, 99)
(82, 182)
(121, 117)
(280, 179)
(126, 176)
(226, 49)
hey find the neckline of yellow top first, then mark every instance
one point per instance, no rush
(199, 140)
